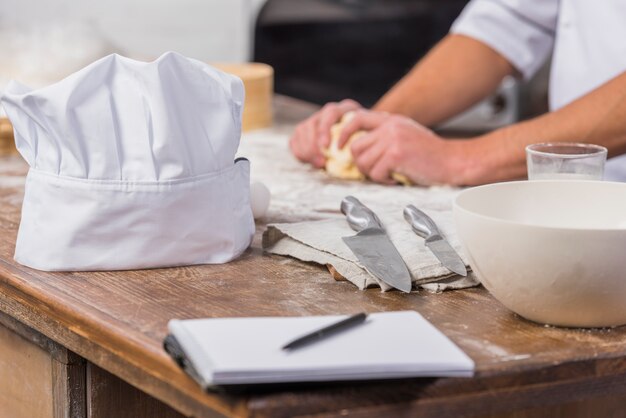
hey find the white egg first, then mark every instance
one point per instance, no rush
(259, 199)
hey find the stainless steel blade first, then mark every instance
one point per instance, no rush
(379, 256)
(446, 254)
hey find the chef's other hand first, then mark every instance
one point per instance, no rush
(398, 144)
(313, 134)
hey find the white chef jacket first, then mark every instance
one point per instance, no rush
(588, 38)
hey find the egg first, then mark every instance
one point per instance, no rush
(259, 199)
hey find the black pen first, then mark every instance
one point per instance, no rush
(327, 331)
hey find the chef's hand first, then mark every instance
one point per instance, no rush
(398, 144)
(313, 134)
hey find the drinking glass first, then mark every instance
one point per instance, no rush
(565, 161)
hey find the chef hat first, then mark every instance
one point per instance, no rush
(132, 165)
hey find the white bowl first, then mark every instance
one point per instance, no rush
(552, 251)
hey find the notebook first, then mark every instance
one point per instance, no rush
(389, 345)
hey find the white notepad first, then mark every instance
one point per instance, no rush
(226, 351)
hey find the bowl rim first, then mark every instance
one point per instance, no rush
(456, 206)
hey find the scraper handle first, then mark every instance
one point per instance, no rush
(421, 223)
(359, 216)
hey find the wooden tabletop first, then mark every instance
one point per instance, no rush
(117, 320)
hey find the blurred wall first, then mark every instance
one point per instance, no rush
(44, 40)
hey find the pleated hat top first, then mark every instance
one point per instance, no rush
(132, 165)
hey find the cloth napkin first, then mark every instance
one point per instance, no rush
(320, 242)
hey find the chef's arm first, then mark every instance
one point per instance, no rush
(457, 73)
(398, 144)
(598, 117)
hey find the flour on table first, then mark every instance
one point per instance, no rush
(300, 192)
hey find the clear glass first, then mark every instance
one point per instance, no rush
(565, 161)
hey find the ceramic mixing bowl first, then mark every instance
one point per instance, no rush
(553, 252)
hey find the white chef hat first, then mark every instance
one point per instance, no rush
(132, 165)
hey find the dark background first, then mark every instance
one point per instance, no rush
(328, 50)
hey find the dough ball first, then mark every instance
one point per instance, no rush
(259, 199)
(340, 163)
(402, 179)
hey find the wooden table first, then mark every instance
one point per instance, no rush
(89, 344)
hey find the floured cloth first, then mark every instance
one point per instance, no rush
(320, 242)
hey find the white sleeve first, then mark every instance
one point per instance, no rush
(520, 30)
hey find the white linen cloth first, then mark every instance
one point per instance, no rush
(588, 39)
(320, 242)
(132, 165)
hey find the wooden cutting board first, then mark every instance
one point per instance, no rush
(258, 79)
(7, 145)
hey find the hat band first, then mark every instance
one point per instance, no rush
(103, 225)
